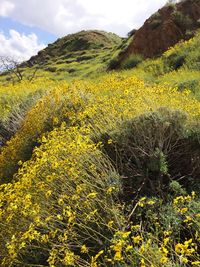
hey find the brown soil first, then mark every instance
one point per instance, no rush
(164, 29)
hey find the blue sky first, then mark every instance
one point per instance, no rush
(7, 24)
(27, 26)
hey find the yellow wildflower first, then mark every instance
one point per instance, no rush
(84, 249)
(142, 263)
(196, 263)
(92, 195)
(137, 239)
(110, 224)
(110, 141)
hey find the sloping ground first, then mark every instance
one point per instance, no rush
(84, 40)
(102, 174)
(77, 55)
(82, 54)
(179, 67)
(164, 29)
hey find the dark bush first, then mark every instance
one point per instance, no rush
(60, 62)
(132, 61)
(156, 20)
(51, 69)
(71, 70)
(132, 32)
(113, 64)
(192, 84)
(175, 61)
(155, 23)
(152, 150)
(193, 60)
(181, 20)
(82, 58)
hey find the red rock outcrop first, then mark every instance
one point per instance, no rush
(164, 29)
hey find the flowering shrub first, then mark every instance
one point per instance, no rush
(65, 205)
(15, 101)
(184, 53)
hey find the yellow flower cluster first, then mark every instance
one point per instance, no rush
(182, 44)
(103, 106)
(180, 203)
(63, 201)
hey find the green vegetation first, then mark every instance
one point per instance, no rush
(156, 20)
(113, 62)
(132, 61)
(179, 66)
(181, 20)
(83, 54)
(102, 171)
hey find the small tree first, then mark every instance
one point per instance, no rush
(132, 32)
(13, 67)
(171, 2)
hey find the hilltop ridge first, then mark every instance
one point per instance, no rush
(87, 53)
(74, 55)
(72, 43)
(165, 28)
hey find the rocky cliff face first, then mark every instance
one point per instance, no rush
(164, 29)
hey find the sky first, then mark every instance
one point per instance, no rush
(27, 26)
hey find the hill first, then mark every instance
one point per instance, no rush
(81, 41)
(165, 28)
(102, 172)
(76, 55)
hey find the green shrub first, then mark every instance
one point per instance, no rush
(193, 60)
(176, 188)
(51, 69)
(60, 62)
(175, 60)
(113, 64)
(132, 61)
(13, 121)
(154, 149)
(189, 34)
(86, 57)
(155, 67)
(183, 79)
(192, 84)
(181, 20)
(156, 23)
(156, 20)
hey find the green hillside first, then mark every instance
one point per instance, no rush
(101, 168)
(178, 67)
(76, 55)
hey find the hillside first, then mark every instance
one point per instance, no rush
(101, 169)
(165, 28)
(73, 43)
(76, 55)
(111, 167)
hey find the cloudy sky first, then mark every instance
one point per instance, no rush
(27, 26)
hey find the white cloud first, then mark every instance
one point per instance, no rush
(6, 8)
(62, 17)
(19, 46)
